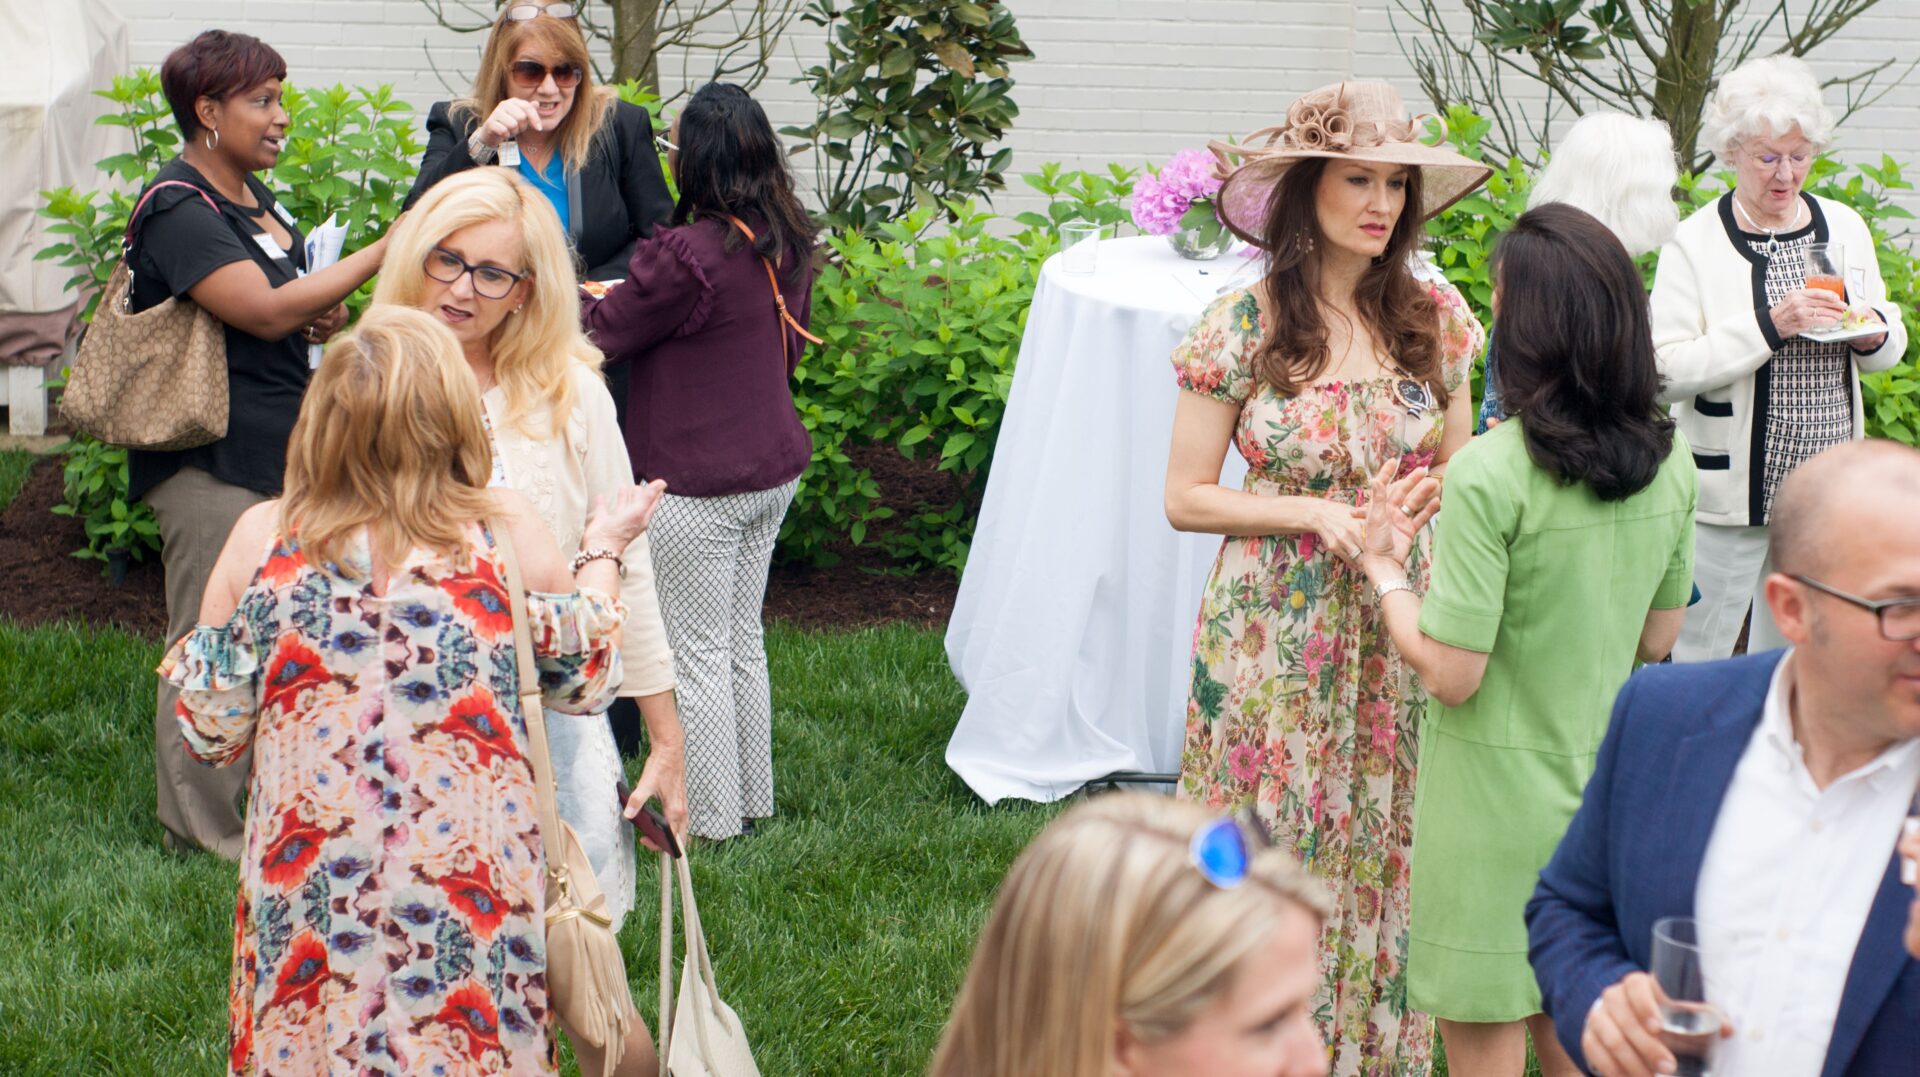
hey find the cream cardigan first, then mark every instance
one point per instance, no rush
(561, 475)
(1712, 337)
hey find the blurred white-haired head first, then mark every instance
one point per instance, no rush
(1620, 169)
(1766, 98)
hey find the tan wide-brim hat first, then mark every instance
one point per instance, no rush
(1358, 121)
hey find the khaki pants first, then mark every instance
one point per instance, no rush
(198, 803)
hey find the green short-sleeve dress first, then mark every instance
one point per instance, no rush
(1553, 585)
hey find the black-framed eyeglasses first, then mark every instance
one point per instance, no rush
(1899, 617)
(530, 73)
(523, 12)
(489, 282)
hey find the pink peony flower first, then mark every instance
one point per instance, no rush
(1159, 201)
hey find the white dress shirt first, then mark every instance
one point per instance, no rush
(1784, 890)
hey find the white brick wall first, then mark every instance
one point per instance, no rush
(1112, 80)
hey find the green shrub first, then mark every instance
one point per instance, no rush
(350, 152)
(912, 102)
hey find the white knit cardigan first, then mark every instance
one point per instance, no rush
(561, 475)
(1713, 337)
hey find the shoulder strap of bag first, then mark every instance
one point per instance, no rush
(663, 1027)
(530, 707)
(779, 300)
(126, 241)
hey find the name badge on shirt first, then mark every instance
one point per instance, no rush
(280, 211)
(268, 244)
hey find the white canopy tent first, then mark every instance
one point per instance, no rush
(56, 55)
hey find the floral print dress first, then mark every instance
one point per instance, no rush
(1301, 707)
(390, 918)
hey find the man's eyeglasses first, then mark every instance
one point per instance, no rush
(528, 74)
(1220, 850)
(490, 282)
(1899, 617)
(523, 12)
(660, 143)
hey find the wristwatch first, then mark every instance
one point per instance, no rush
(478, 149)
(1387, 587)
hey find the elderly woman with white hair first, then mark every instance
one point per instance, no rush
(1620, 169)
(1754, 393)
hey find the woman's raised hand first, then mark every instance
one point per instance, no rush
(1807, 308)
(617, 519)
(1396, 510)
(509, 118)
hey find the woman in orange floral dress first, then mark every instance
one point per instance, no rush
(357, 635)
(1348, 359)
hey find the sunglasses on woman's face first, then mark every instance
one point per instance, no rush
(528, 74)
(523, 12)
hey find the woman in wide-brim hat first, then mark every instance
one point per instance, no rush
(1346, 361)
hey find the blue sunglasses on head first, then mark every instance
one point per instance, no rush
(1220, 851)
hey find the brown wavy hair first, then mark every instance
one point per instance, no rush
(389, 438)
(1402, 316)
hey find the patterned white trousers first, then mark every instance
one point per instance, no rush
(710, 558)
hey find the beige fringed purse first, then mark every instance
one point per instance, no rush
(586, 975)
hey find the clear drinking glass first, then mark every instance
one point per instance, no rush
(1827, 270)
(1689, 1020)
(1079, 243)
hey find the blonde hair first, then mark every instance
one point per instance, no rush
(1766, 98)
(390, 438)
(555, 39)
(533, 351)
(1104, 919)
(1620, 169)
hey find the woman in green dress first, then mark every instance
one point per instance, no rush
(1564, 553)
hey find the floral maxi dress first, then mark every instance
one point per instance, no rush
(1300, 705)
(390, 917)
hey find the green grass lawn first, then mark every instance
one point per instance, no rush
(13, 472)
(839, 932)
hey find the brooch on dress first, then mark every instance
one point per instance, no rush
(1416, 396)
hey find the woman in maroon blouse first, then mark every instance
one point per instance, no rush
(712, 318)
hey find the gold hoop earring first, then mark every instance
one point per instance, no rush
(214, 142)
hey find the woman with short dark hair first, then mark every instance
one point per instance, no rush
(712, 319)
(1563, 555)
(206, 229)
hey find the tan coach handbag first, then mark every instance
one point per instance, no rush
(586, 975)
(155, 380)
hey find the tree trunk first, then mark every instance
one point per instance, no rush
(634, 24)
(1684, 76)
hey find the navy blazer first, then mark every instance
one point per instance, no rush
(1632, 855)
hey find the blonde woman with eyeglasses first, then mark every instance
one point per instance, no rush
(355, 636)
(482, 253)
(1144, 937)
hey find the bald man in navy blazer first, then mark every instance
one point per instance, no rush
(1763, 796)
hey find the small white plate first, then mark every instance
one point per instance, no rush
(1840, 333)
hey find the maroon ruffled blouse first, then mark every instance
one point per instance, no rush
(709, 404)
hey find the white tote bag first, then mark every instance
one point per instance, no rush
(704, 1038)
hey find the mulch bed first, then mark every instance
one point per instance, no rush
(41, 582)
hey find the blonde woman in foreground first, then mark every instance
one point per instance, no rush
(356, 635)
(1144, 937)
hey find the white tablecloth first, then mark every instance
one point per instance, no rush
(1074, 622)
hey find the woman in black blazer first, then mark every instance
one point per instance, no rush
(590, 153)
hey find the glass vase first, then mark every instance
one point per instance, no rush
(1201, 242)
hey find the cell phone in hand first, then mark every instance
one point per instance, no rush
(650, 823)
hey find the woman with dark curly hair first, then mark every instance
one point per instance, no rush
(1564, 555)
(1342, 360)
(711, 320)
